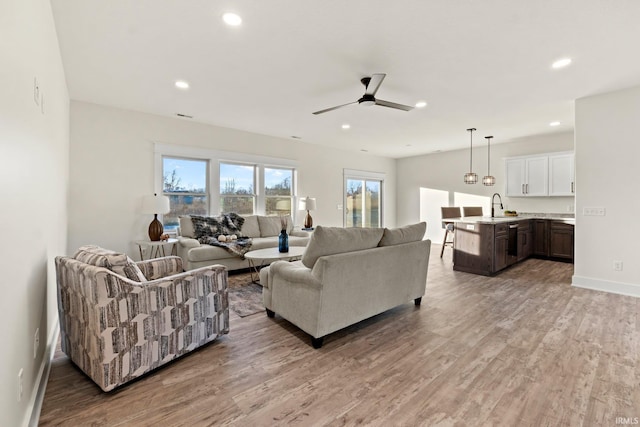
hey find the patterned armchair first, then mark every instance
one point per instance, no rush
(120, 319)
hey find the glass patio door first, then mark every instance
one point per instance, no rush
(363, 202)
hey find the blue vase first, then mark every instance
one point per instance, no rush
(283, 241)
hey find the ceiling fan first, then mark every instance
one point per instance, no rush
(371, 84)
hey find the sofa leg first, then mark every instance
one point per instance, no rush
(417, 301)
(270, 313)
(317, 342)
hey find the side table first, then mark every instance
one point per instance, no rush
(157, 249)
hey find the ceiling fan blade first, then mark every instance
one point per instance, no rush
(334, 108)
(374, 84)
(393, 105)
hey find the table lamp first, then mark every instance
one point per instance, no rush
(308, 204)
(154, 205)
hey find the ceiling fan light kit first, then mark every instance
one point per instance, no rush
(371, 84)
(489, 179)
(470, 177)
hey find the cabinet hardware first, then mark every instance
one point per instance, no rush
(522, 188)
(572, 188)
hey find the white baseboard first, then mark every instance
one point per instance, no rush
(37, 396)
(628, 289)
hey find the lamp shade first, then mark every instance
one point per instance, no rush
(307, 204)
(155, 205)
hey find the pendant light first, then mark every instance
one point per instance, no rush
(470, 177)
(489, 179)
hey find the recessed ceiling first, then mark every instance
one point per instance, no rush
(483, 64)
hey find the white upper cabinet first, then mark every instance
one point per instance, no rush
(561, 174)
(550, 174)
(527, 176)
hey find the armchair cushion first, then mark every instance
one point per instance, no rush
(406, 234)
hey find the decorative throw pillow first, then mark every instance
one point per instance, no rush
(406, 234)
(233, 223)
(118, 263)
(130, 270)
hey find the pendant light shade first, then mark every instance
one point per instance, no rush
(470, 177)
(489, 180)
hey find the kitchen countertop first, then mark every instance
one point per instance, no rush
(501, 219)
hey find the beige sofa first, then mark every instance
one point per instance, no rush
(347, 275)
(120, 320)
(263, 230)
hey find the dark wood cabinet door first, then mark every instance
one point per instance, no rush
(501, 258)
(540, 237)
(561, 240)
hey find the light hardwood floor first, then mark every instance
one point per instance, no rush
(523, 348)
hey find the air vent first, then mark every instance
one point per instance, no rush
(184, 115)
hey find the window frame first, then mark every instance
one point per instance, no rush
(215, 157)
(254, 184)
(292, 197)
(207, 192)
(353, 174)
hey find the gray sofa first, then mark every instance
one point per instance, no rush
(263, 230)
(347, 275)
(120, 320)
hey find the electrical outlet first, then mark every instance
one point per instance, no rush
(36, 342)
(617, 265)
(593, 211)
(20, 383)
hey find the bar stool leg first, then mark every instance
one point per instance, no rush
(444, 242)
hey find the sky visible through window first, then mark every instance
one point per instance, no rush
(242, 175)
(191, 173)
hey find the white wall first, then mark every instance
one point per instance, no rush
(112, 160)
(445, 171)
(34, 149)
(607, 156)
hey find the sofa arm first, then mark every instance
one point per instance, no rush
(300, 233)
(187, 242)
(161, 267)
(294, 273)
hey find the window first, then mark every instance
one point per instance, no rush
(185, 182)
(363, 199)
(237, 184)
(278, 191)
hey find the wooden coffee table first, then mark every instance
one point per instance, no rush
(270, 254)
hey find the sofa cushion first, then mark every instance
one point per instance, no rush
(186, 226)
(250, 228)
(337, 240)
(208, 253)
(118, 263)
(271, 225)
(406, 234)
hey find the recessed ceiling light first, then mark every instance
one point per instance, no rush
(180, 84)
(364, 151)
(232, 19)
(346, 126)
(561, 63)
(296, 137)
(421, 104)
(554, 124)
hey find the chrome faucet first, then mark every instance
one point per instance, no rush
(493, 203)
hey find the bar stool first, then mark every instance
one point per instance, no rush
(472, 211)
(448, 212)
